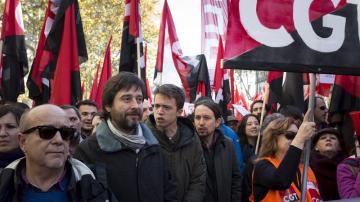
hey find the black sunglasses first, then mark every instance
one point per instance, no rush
(290, 135)
(322, 108)
(48, 132)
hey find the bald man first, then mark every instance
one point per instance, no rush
(47, 173)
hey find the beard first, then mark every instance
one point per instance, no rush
(127, 121)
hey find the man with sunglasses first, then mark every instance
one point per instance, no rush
(320, 113)
(47, 173)
(123, 152)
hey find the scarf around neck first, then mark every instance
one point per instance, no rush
(135, 141)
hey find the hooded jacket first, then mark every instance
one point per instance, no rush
(82, 184)
(133, 176)
(185, 159)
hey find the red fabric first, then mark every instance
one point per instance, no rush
(350, 84)
(105, 74)
(134, 21)
(94, 87)
(273, 14)
(42, 57)
(356, 121)
(10, 25)
(67, 62)
(219, 71)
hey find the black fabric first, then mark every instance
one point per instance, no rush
(248, 152)
(184, 156)
(324, 169)
(246, 187)
(84, 189)
(293, 91)
(225, 169)
(197, 74)
(268, 177)
(132, 176)
(7, 158)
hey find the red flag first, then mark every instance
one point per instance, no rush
(61, 48)
(94, 87)
(13, 61)
(192, 70)
(105, 74)
(221, 81)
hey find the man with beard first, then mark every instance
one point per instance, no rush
(87, 110)
(320, 113)
(179, 142)
(123, 153)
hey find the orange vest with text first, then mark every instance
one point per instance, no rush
(292, 194)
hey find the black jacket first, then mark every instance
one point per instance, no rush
(132, 176)
(185, 159)
(224, 165)
(82, 185)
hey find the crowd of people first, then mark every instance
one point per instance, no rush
(130, 150)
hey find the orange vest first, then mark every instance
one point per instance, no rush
(292, 194)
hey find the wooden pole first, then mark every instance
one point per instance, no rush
(138, 57)
(265, 98)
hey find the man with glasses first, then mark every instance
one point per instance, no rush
(47, 173)
(320, 113)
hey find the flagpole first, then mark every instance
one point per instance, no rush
(138, 56)
(307, 147)
(265, 96)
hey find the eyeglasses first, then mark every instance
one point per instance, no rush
(290, 135)
(322, 108)
(48, 132)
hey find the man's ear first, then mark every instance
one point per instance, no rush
(22, 142)
(108, 108)
(218, 122)
(179, 112)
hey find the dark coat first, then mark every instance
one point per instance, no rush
(185, 159)
(82, 185)
(132, 176)
(325, 172)
(226, 168)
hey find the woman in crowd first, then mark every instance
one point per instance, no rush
(278, 171)
(348, 178)
(328, 152)
(9, 129)
(248, 132)
(223, 182)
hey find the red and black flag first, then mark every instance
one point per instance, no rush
(131, 34)
(105, 75)
(293, 91)
(54, 75)
(221, 81)
(275, 81)
(192, 70)
(14, 64)
(345, 98)
(293, 36)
